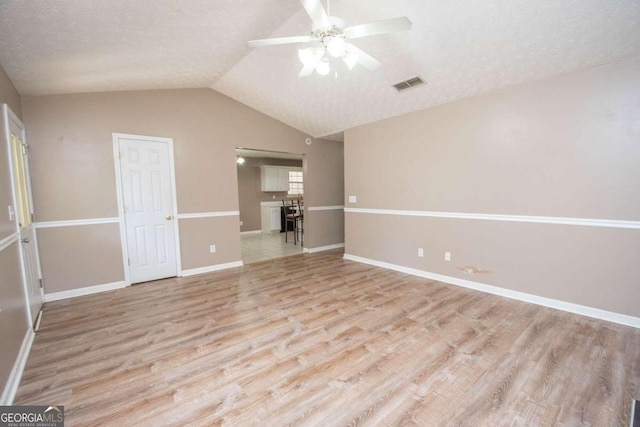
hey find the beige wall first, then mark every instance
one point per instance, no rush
(74, 178)
(13, 309)
(70, 263)
(249, 192)
(13, 317)
(326, 234)
(561, 147)
(9, 95)
(197, 234)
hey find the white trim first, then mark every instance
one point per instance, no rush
(325, 208)
(323, 248)
(84, 291)
(9, 240)
(11, 387)
(174, 207)
(590, 222)
(583, 310)
(210, 268)
(120, 198)
(76, 222)
(242, 233)
(207, 214)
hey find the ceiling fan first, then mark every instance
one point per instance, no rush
(328, 38)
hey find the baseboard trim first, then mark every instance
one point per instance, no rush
(242, 233)
(10, 389)
(210, 268)
(583, 310)
(322, 248)
(84, 291)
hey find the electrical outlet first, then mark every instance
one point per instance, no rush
(241, 223)
(447, 256)
(353, 199)
(212, 249)
(420, 252)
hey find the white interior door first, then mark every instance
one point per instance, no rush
(23, 210)
(148, 204)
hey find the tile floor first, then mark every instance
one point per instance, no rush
(261, 246)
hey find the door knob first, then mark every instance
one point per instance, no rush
(169, 217)
(25, 240)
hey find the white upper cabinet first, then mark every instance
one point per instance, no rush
(275, 178)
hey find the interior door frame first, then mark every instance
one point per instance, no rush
(174, 200)
(9, 115)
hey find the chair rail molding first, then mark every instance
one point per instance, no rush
(207, 214)
(590, 222)
(76, 222)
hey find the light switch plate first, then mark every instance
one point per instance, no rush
(353, 199)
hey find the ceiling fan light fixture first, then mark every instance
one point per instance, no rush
(323, 68)
(335, 45)
(351, 59)
(331, 39)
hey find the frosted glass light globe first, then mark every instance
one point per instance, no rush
(336, 46)
(323, 67)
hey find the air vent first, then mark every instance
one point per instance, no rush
(415, 81)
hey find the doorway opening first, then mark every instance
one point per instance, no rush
(271, 199)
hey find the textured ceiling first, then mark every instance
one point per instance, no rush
(461, 48)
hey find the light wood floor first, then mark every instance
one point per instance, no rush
(317, 340)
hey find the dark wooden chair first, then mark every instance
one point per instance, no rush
(300, 221)
(291, 221)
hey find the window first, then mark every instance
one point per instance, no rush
(296, 185)
(19, 152)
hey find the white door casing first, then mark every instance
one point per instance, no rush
(18, 153)
(144, 166)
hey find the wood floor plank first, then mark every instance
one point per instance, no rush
(316, 340)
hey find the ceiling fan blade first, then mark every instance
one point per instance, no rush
(364, 58)
(378, 27)
(310, 55)
(317, 13)
(307, 70)
(279, 40)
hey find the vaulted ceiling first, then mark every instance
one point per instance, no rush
(460, 47)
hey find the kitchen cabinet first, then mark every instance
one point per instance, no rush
(270, 216)
(275, 178)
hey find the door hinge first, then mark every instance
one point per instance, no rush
(24, 149)
(129, 261)
(41, 283)
(33, 217)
